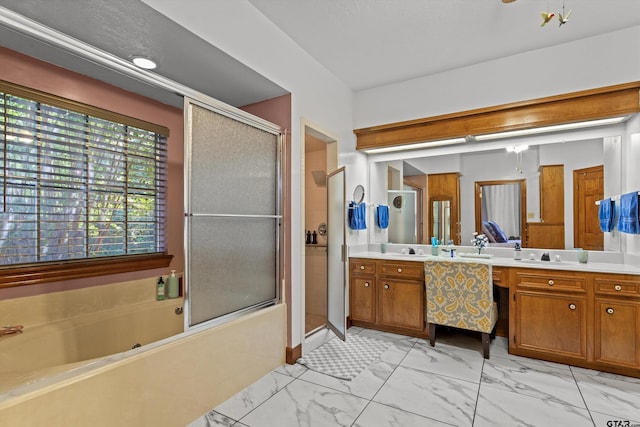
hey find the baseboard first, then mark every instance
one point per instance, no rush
(293, 354)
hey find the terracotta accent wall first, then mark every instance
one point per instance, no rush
(278, 111)
(23, 70)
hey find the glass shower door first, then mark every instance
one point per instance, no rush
(232, 214)
(336, 253)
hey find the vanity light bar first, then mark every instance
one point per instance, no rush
(499, 135)
(418, 146)
(554, 128)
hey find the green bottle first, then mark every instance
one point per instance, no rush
(172, 284)
(160, 289)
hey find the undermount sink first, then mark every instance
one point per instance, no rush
(474, 255)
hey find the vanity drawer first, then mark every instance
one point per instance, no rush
(551, 281)
(363, 266)
(403, 270)
(609, 286)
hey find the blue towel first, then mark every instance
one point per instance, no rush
(382, 216)
(605, 215)
(628, 221)
(357, 216)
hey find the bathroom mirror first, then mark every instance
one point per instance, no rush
(485, 162)
(358, 194)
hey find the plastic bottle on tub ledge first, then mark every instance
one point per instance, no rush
(160, 289)
(172, 284)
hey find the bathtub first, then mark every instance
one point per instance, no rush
(44, 350)
(170, 382)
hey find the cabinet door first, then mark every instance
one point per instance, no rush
(401, 304)
(551, 323)
(617, 332)
(362, 299)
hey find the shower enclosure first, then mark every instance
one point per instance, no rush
(232, 212)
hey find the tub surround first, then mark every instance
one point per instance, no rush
(167, 383)
(65, 330)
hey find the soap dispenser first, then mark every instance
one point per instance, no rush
(517, 252)
(172, 284)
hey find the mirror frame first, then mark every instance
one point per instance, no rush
(523, 202)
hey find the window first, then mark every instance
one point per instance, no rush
(77, 182)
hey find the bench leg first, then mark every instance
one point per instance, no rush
(486, 342)
(432, 334)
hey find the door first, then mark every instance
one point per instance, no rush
(588, 188)
(232, 215)
(336, 253)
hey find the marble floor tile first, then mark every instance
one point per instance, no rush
(303, 404)
(607, 420)
(243, 402)
(443, 398)
(213, 419)
(498, 408)
(294, 370)
(378, 415)
(398, 349)
(532, 379)
(365, 385)
(612, 394)
(446, 360)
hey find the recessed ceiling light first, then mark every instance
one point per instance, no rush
(144, 62)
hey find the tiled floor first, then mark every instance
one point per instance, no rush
(414, 384)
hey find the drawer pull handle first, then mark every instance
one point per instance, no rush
(362, 267)
(617, 288)
(366, 284)
(572, 306)
(609, 310)
(399, 270)
(386, 286)
(551, 282)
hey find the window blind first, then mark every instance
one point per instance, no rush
(75, 184)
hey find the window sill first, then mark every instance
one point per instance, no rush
(31, 274)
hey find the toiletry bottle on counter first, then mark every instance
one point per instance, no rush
(517, 252)
(160, 289)
(314, 238)
(172, 284)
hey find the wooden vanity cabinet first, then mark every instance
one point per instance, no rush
(579, 318)
(387, 295)
(550, 309)
(617, 321)
(362, 290)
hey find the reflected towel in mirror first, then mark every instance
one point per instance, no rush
(628, 221)
(605, 215)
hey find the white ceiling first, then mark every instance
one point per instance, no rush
(365, 43)
(368, 43)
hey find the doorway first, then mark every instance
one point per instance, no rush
(320, 159)
(588, 187)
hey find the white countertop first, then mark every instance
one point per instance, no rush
(501, 261)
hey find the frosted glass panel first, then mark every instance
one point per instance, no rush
(233, 214)
(232, 264)
(233, 166)
(336, 275)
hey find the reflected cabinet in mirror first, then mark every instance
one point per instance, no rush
(541, 195)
